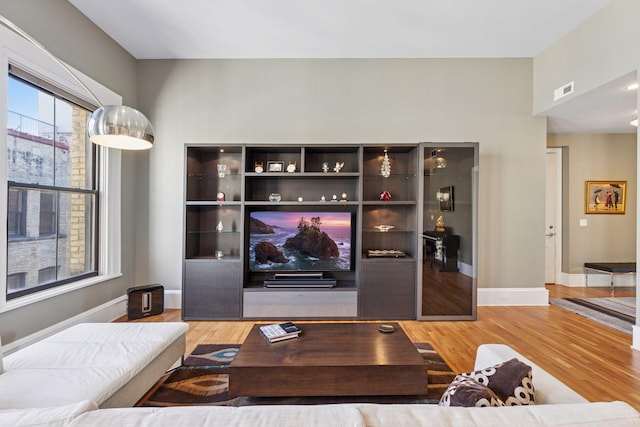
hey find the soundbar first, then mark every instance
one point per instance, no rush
(300, 283)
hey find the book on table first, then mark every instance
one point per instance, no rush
(279, 331)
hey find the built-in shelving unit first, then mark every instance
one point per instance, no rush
(217, 281)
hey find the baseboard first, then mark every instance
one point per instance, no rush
(106, 312)
(595, 280)
(513, 296)
(173, 298)
(636, 338)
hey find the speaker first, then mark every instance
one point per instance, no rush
(145, 301)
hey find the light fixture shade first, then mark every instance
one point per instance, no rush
(118, 126)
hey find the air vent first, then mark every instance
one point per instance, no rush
(563, 91)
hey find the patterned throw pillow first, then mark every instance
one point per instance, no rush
(465, 391)
(510, 381)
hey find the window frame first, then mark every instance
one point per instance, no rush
(16, 50)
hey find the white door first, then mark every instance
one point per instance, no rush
(553, 246)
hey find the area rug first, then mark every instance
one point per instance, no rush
(618, 313)
(204, 380)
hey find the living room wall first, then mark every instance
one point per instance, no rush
(595, 53)
(361, 101)
(76, 40)
(597, 157)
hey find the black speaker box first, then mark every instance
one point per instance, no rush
(145, 301)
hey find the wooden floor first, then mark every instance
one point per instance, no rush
(595, 360)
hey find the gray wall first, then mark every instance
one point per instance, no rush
(63, 30)
(598, 51)
(599, 157)
(360, 101)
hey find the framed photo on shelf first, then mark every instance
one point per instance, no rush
(275, 166)
(605, 197)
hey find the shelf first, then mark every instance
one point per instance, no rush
(394, 231)
(388, 203)
(302, 175)
(296, 203)
(212, 231)
(407, 258)
(343, 285)
(214, 175)
(390, 177)
(213, 203)
(211, 258)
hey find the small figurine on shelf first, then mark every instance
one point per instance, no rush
(343, 197)
(334, 198)
(219, 227)
(220, 197)
(385, 196)
(219, 254)
(275, 197)
(323, 198)
(291, 167)
(300, 199)
(440, 224)
(259, 167)
(338, 167)
(325, 167)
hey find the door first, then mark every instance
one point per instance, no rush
(553, 247)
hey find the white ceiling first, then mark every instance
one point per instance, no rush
(159, 29)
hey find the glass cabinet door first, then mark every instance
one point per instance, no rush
(447, 288)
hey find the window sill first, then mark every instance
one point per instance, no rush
(53, 292)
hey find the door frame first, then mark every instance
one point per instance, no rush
(558, 214)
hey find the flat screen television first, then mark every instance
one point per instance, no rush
(315, 241)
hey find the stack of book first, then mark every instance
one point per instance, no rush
(279, 331)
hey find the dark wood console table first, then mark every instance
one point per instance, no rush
(450, 247)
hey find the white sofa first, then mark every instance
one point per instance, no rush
(557, 406)
(109, 364)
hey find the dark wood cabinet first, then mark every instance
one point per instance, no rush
(387, 289)
(211, 290)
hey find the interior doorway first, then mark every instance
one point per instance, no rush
(553, 222)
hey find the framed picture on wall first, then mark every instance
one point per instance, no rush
(605, 197)
(445, 196)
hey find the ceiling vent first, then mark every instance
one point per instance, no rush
(563, 91)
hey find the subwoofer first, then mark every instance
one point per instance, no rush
(145, 301)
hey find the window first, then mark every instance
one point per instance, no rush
(16, 213)
(53, 198)
(47, 275)
(15, 281)
(47, 213)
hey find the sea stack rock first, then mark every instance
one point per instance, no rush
(267, 252)
(313, 242)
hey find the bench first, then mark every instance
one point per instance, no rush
(610, 268)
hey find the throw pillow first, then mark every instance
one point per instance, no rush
(465, 391)
(511, 381)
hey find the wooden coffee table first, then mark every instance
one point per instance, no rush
(329, 359)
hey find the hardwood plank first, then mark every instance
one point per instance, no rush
(594, 360)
